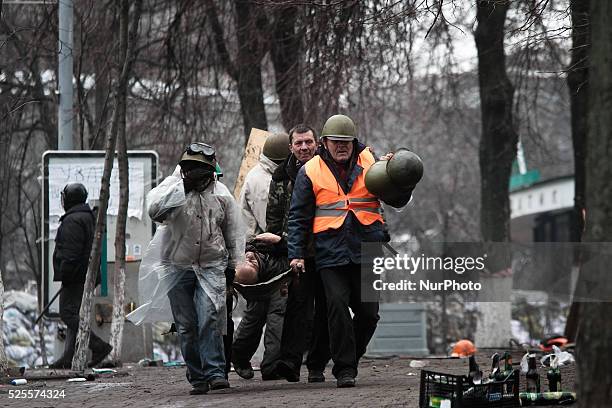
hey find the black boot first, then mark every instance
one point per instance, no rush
(65, 361)
(99, 350)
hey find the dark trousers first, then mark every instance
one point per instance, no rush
(306, 297)
(349, 337)
(269, 312)
(319, 353)
(70, 307)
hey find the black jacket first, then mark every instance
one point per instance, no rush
(279, 202)
(334, 247)
(73, 244)
(272, 259)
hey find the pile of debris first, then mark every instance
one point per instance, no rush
(22, 340)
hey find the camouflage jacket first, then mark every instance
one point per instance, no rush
(279, 197)
(279, 200)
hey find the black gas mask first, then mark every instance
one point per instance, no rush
(198, 164)
(197, 177)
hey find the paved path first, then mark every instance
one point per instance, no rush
(380, 383)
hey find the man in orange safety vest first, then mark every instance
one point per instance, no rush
(330, 200)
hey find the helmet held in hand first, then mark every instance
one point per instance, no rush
(405, 169)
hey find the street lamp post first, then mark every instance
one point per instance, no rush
(65, 47)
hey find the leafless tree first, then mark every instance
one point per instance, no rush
(29, 127)
(497, 152)
(594, 332)
(3, 148)
(116, 338)
(95, 27)
(286, 53)
(127, 47)
(245, 67)
(577, 82)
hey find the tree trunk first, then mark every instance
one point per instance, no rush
(101, 67)
(3, 361)
(128, 44)
(595, 330)
(248, 66)
(286, 58)
(497, 152)
(250, 22)
(577, 82)
(101, 97)
(116, 335)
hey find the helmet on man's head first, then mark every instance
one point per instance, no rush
(340, 128)
(73, 194)
(199, 153)
(276, 146)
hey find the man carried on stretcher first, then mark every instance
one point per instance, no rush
(265, 269)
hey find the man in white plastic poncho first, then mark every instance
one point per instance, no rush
(200, 240)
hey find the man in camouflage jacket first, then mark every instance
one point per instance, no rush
(299, 326)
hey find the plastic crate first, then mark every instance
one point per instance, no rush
(436, 387)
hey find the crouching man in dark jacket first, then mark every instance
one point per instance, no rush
(73, 243)
(265, 258)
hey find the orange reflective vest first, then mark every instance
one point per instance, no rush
(332, 205)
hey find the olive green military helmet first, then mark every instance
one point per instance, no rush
(405, 169)
(377, 181)
(339, 127)
(276, 146)
(199, 152)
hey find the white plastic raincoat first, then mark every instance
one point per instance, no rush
(204, 231)
(254, 195)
